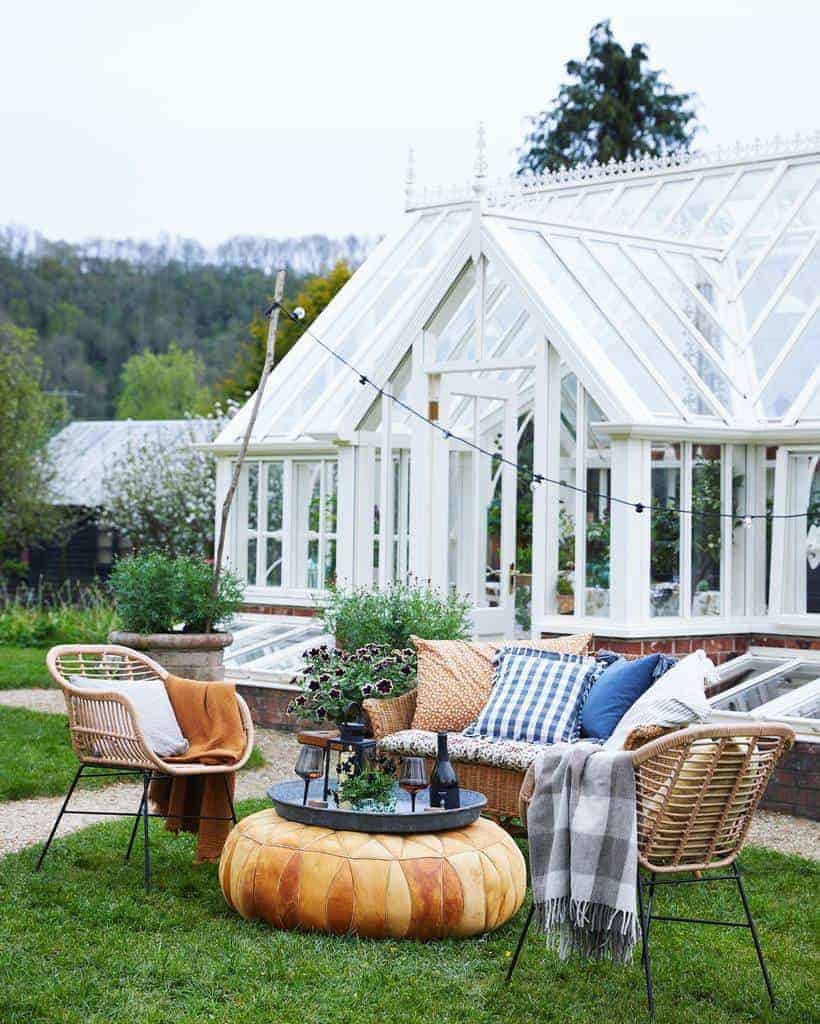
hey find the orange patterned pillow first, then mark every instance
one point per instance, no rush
(455, 678)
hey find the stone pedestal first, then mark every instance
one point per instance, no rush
(190, 655)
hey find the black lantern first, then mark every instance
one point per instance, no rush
(351, 738)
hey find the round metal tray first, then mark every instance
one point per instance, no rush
(287, 800)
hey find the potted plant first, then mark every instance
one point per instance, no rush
(168, 609)
(371, 786)
(336, 683)
(566, 595)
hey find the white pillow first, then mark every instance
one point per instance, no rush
(677, 698)
(154, 712)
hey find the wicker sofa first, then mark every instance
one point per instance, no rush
(487, 769)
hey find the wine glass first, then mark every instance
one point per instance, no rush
(413, 778)
(309, 765)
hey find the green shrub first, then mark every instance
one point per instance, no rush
(156, 593)
(45, 616)
(388, 618)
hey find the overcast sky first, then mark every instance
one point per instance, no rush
(210, 119)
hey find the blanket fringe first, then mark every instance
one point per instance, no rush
(594, 931)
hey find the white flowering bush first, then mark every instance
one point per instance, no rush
(160, 497)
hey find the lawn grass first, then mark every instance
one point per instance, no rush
(22, 667)
(88, 946)
(36, 758)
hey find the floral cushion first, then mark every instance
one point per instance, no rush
(512, 754)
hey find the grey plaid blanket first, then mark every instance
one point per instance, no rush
(584, 850)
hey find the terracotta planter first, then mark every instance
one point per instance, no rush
(566, 604)
(191, 655)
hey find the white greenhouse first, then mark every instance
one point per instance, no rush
(646, 331)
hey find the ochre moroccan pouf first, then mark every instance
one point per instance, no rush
(459, 883)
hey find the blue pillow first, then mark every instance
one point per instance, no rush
(536, 696)
(614, 692)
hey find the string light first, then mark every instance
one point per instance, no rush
(298, 313)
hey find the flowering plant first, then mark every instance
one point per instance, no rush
(369, 786)
(337, 682)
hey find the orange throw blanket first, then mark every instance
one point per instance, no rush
(209, 718)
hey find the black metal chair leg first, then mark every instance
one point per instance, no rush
(146, 779)
(647, 966)
(53, 832)
(228, 794)
(137, 817)
(520, 945)
(753, 930)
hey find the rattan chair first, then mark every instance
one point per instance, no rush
(106, 734)
(696, 791)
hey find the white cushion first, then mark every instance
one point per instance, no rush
(154, 712)
(677, 698)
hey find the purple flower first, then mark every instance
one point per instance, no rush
(384, 686)
(407, 670)
(334, 693)
(340, 671)
(314, 685)
(320, 712)
(367, 689)
(300, 701)
(324, 677)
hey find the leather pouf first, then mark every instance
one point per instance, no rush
(457, 883)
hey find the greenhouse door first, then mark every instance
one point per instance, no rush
(474, 548)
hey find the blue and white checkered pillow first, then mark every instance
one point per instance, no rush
(536, 697)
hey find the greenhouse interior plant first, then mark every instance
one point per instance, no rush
(166, 607)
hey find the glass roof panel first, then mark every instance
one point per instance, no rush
(594, 203)
(790, 377)
(778, 326)
(520, 342)
(659, 312)
(629, 203)
(670, 195)
(738, 206)
(370, 336)
(597, 324)
(500, 317)
(693, 212)
(665, 281)
(773, 214)
(456, 338)
(629, 321)
(698, 275)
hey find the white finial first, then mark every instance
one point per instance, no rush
(410, 178)
(480, 165)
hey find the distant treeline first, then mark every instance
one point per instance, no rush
(95, 304)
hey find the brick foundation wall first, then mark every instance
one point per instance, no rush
(795, 786)
(269, 707)
(277, 609)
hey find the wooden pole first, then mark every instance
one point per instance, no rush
(273, 324)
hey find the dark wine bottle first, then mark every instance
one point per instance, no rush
(443, 782)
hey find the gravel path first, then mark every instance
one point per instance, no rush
(23, 822)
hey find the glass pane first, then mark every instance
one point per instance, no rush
(671, 194)
(253, 495)
(590, 316)
(741, 535)
(274, 495)
(330, 564)
(313, 565)
(598, 514)
(494, 575)
(521, 342)
(273, 556)
(772, 215)
(812, 410)
(771, 458)
(706, 530)
(676, 293)
(593, 204)
(779, 325)
(664, 558)
(251, 555)
(797, 368)
(331, 489)
(803, 535)
(500, 318)
(681, 338)
(775, 266)
(755, 694)
(566, 497)
(689, 218)
(738, 206)
(452, 332)
(629, 204)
